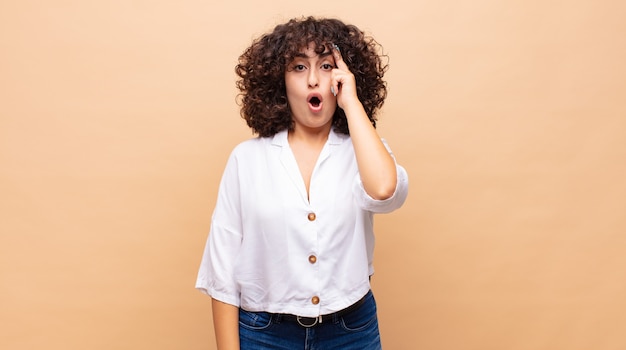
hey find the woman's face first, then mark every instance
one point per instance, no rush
(308, 82)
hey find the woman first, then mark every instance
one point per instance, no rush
(289, 255)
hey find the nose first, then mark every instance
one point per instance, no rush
(313, 78)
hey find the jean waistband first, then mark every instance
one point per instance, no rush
(312, 321)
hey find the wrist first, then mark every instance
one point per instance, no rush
(353, 107)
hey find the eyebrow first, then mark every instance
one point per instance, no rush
(322, 55)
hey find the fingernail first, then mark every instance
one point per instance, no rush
(336, 47)
(332, 89)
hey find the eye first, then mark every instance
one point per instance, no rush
(299, 67)
(327, 66)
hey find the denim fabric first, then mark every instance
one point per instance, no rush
(357, 330)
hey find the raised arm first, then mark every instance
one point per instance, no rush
(376, 166)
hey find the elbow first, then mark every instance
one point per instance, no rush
(383, 187)
(384, 192)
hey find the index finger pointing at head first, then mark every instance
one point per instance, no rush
(338, 58)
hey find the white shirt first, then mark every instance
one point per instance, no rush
(271, 249)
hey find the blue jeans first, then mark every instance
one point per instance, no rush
(356, 330)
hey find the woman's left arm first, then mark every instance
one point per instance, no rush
(376, 166)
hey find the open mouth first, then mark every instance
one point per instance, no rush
(315, 102)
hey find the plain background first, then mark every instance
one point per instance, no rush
(116, 119)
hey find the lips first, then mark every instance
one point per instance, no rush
(315, 102)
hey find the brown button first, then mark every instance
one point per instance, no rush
(315, 300)
(311, 216)
(312, 259)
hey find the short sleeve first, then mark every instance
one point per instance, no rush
(366, 202)
(216, 276)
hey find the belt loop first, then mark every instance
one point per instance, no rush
(277, 318)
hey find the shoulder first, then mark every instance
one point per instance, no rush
(261, 144)
(251, 145)
(253, 148)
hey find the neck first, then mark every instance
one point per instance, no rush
(309, 136)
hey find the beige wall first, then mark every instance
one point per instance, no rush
(116, 118)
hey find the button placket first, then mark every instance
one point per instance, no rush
(312, 257)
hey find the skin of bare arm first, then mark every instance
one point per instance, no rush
(226, 324)
(376, 166)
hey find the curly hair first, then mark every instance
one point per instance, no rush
(261, 71)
